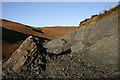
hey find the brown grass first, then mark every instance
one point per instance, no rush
(15, 33)
(112, 11)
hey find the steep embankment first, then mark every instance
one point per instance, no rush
(15, 33)
(90, 51)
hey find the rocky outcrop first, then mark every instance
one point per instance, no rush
(27, 60)
(91, 51)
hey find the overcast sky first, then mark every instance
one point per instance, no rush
(42, 14)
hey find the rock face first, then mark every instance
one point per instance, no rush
(27, 60)
(90, 51)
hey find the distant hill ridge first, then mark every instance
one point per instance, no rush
(14, 34)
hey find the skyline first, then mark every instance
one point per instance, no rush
(45, 14)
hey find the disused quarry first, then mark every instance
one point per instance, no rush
(90, 51)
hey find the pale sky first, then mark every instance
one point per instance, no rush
(42, 14)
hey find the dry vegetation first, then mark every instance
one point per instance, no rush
(14, 34)
(56, 32)
(101, 15)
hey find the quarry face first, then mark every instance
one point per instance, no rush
(91, 51)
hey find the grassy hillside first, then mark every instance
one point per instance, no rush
(11, 41)
(13, 34)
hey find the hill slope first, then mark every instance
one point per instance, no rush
(40, 31)
(14, 34)
(91, 51)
